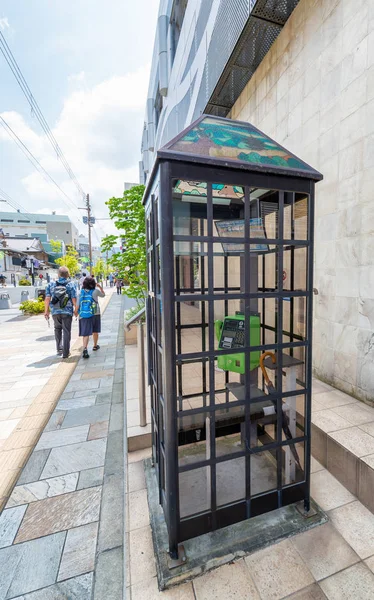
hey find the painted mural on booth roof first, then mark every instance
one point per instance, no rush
(236, 141)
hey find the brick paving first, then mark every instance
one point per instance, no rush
(61, 533)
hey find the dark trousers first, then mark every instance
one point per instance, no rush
(119, 290)
(62, 325)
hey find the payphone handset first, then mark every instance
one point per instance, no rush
(230, 334)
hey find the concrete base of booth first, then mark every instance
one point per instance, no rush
(220, 547)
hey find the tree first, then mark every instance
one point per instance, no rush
(100, 268)
(69, 260)
(56, 246)
(129, 218)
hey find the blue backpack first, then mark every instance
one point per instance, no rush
(87, 305)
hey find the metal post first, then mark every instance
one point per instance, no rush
(89, 229)
(142, 394)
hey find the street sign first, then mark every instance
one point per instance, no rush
(92, 220)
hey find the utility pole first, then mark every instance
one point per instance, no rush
(90, 222)
(88, 205)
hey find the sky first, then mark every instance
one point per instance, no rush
(87, 64)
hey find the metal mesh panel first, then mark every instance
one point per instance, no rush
(257, 36)
(254, 44)
(277, 11)
(231, 19)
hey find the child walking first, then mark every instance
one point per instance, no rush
(89, 313)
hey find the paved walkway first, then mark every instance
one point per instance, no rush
(334, 561)
(61, 534)
(27, 361)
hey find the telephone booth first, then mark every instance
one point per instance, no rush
(229, 317)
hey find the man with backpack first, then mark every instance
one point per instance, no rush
(89, 313)
(60, 298)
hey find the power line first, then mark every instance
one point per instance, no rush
(14, 67)
(36, 164)
(15, 205)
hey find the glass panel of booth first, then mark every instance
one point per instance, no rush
(231, 307)
(194, 490)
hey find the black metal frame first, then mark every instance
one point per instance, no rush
(165, 349)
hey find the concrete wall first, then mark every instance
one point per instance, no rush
(62, 230)
(314, 93)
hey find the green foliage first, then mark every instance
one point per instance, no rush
(24, 282)
(32, 307)
(129, 218)
(56, 246)
(108, 242)
(131, 312)
(101, 268)
(69, 260)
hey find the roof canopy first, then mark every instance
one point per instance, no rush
(220, 141)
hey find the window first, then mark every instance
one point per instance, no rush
(158, 107)
(44, 222)
(7, 220)
(68, 232)
(176, 22)
(20, 221)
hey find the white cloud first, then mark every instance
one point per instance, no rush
(99, 131)
(4, 23)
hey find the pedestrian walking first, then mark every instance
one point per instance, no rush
(40, 279)
(84, 275)
(119, 284)
(60, 299)
(89, 313)
(111, 279)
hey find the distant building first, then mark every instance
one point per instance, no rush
(128, 185)
(14, 253)
(84, 250)
(55, 227)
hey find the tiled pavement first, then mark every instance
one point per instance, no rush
(61, 534)
(28, 364)
(334, 561)
(27, 361)
(343, 439)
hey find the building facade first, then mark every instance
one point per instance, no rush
(55, 227)
(312, 89)
(205, 52)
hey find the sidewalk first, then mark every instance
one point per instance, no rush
(61, 534)
(334, 561)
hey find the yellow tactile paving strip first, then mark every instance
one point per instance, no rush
(16, 450)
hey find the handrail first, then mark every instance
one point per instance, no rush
(135, 318)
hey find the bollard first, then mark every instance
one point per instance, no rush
(142, 393)
(5, 301)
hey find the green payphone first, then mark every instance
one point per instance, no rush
(230, 334)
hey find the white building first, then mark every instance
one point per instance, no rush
(55, 227)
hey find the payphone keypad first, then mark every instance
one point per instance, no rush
(232, 334)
